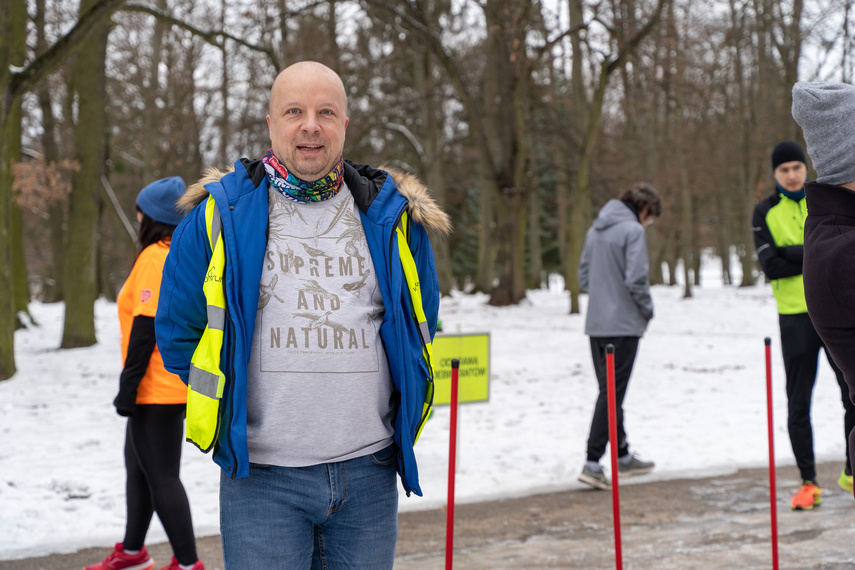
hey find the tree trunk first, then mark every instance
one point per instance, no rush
(88, 85)
(150, 95)
(52, 278)
(225, 122)
(13, 18)
(535, 259)
(686, 219)
(723, 234)
(656, 256)
(20, 285)
(332, 25)
(434, 163)
(486, 245)
(582, 202)
(509, 71)
(511, 219)
(19, 282)
(582, 214)
(671, 256)
(578, 113)
(561, 168)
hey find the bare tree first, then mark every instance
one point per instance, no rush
(87, 88)
(15, 81)
(581, 201)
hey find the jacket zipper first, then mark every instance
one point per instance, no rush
(231, 367)
(407, 489)
(231, 396)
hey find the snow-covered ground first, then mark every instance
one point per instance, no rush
(696, 405)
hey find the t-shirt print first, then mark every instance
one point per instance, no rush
(318, 301)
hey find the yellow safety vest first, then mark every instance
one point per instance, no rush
(206, 379)
(410, 272)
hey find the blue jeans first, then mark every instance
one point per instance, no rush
(328, 516)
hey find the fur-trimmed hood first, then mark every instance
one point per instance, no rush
(422, 208)
(196, 192)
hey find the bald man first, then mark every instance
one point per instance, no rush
(299, 302)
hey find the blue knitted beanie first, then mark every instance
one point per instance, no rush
(157, 200)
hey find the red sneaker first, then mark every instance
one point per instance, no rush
(174, 565)
(120, 560)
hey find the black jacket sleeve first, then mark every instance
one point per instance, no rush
(140, 348)
(776, 262)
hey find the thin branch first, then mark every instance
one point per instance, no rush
(450, 66)
(32, 74)
(214, 37)
(550, 43)
(408, 134)
(633, 42)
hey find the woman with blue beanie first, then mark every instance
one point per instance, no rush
(152, 398)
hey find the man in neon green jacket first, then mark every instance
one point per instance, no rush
(778, 225)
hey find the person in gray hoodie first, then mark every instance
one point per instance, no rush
(614, 272)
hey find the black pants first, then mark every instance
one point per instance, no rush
(153, 443)
(626, 347)
(801, 346)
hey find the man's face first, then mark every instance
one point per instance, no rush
(791, 175)
(307, 121)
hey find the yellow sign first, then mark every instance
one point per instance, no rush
(473, 377)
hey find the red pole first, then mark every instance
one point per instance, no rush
(452, 459)
(613, 443)
(772, 489)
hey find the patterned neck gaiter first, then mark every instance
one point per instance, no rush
(298, 190)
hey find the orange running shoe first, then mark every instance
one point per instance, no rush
(808, 497)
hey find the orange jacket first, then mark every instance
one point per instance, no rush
(139, 296)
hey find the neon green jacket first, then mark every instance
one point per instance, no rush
(779, 228)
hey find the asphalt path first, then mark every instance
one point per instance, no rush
(713, 522)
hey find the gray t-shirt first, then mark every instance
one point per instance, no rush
(319, 384)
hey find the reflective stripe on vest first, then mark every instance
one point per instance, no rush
(207, 381)
(412, 276)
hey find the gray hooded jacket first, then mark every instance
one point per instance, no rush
(614, 272)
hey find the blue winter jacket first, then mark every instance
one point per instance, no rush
(241, 197)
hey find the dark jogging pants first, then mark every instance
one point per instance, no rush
(153, 442)
(626, 347)
(801, 346)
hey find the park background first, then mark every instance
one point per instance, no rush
(522, 117)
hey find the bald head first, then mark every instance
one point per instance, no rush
(310, 72)
(307, 119)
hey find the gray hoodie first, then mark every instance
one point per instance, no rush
(614, 272)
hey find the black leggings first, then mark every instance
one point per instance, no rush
(801, 346)
(153, 441)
